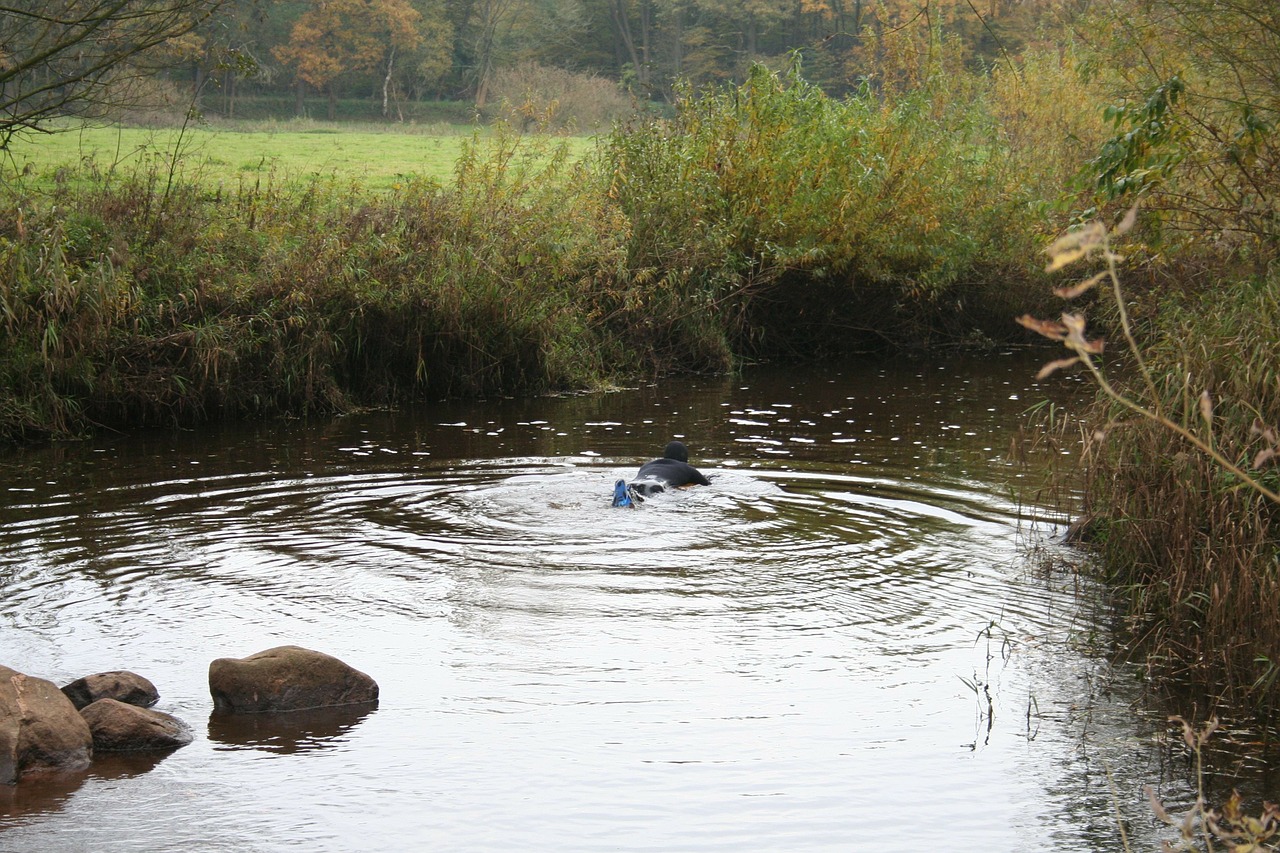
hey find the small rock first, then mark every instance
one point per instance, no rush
(127, 687)
(40, 729)
(118, 726)
(287, 678)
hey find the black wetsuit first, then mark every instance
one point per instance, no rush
(667, 473)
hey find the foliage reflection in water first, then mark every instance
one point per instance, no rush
(839, 643)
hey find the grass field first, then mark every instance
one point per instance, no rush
(377, 158)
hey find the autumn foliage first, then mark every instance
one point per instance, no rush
(342, 36)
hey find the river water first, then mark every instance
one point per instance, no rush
(844, 643)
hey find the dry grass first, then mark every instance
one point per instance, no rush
(1182, 490)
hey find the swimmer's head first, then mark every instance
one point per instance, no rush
(676, 450)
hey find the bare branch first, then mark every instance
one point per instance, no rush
(70, 57)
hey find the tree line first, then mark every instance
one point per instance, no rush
(399, 51)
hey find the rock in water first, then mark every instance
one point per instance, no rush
(287, 678)
(119, 726)
(127, 687)
(39, 728)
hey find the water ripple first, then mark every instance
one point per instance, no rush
(762, 663)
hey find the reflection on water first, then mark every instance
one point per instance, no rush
(48, 792)
(841, 639)
(287, 733)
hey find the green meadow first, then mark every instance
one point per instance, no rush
(376, 158)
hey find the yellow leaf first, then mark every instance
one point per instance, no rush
(1048, 328)
(1074, 323)
(1206, 407)
(1231, 808)
(1128, 222)
(1086, 237)
(1077, 289)
(1156, 806)
(1058, 260)
(1187, 829)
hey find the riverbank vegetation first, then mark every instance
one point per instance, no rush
(1179, 469)
(767, 219)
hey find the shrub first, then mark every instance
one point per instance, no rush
(1194, 124)
(535, 96)
(880, 218)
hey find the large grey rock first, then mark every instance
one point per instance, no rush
(287, 678)
(127, 687)
(40, 730)
(119, 726)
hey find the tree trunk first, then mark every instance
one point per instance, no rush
(199, 87)
(482, 89)
(231, 94)
(485, 63)
(677, 39)
(333, 103)
(646, 31)
(299, 100)
(622, 27)
(386, 80)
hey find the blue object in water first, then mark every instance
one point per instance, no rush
(623, 495)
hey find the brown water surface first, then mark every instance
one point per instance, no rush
(841, 644)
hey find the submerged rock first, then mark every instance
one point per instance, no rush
(287, 678)
(123, 686)
(40, 730)
(118, 726)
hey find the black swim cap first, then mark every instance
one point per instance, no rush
(676, 450)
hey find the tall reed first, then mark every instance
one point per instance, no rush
(120, 306)
(1196, 551)
(1182, 493)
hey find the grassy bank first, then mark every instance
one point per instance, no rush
(1192, 549)
(266, 108)
(1179, 471)
(766, 220)
(135, 302)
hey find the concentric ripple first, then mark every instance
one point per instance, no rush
(842, 629)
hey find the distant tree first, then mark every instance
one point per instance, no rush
(79, 57)
(337, 37)
(424, 67)
(633, 26)
(489, 26)
(229, 48)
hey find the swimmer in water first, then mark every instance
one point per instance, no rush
(672, 471)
